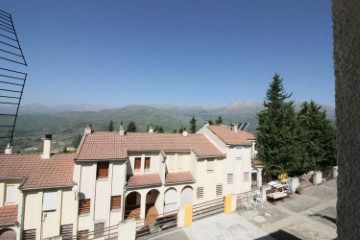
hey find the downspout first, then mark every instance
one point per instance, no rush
(22, 217)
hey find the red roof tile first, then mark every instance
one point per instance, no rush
(36, 172)
(8, 214)
(230, 137)
(179, 177)
(142, 180)
(110, 145)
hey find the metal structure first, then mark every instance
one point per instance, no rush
(12, 81)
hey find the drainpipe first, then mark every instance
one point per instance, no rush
(22, 216)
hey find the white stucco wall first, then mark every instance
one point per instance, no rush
(154, 163)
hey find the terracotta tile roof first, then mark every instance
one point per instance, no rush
(256, 162)
(142, 180)
(230, 137)
(8, 214)
(36, 172)
(110, 145)
(179, 177)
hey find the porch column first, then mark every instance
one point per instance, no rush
(259, 177)
(143, 206)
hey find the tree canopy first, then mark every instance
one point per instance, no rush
(193, 125)
(111, 126)
(131, 127)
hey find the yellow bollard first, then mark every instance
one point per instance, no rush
(188, 215)
(227, 203)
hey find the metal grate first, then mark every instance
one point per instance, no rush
(12, 81)
(200, 193)
(29, 234)
(230, 178)
(219, 190)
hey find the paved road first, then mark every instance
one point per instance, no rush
(309, 216)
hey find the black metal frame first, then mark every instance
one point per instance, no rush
(12, 82)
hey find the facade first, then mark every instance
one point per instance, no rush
(117, 176)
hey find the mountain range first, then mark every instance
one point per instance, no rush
(66, 122)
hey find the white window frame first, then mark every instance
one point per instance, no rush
(210, 165)
(10, 193)
(49, 201)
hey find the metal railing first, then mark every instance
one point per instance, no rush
(208, 208)
(248, 200)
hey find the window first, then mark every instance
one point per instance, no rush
(10, 194)
(246, 176)
(84, 206)
(82, 235)
(137, 164)
(115, 202)
(230, 178)
(210, 166)
(147, 163)
(238, 155)
(99, 229)
(29, 234)
(102, 170)
(219, 190)
(66, 231)
(49, 201)
(200, 193)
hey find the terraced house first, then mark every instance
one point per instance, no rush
(116, 175)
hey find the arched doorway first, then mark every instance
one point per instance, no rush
(151, 211)
(186, 196)
(7, 234)
(170, 201)
(132, 205)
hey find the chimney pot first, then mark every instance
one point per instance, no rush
(8, 149)
(88, 129)
(47, 147)
(122, 130)
(184, 133)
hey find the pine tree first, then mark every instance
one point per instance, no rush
(193, 125)
(111, 126)
(219, 120)
(131, 127)
(278, 132)
(320, 137)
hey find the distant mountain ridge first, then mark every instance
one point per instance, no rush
(65, 122)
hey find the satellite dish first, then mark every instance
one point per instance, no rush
(75, 188)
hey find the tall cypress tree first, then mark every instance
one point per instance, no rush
(278, 132)
(193, 125)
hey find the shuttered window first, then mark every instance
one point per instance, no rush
(83, 235)
(115, 202)
(200, 193)
(84, 206)
(219, 190)
(10, 194)
(147, 163)
(230, 178)
(29, 234)
(102, 170)
(238, 153)
(49, 201)
(137, 164)
(66, 231)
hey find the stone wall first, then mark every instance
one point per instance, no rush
(346, 32)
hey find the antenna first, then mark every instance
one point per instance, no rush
(12, 82)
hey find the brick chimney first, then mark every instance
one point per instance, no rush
(8, 149)
(47, 147)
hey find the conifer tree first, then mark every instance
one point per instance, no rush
(131, 127)
(111, 126)
(193, 125)
(278, 132)
(219, 120)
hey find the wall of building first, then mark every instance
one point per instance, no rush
(346, 22)
(177, 162)
(154, 163)
(17, 193)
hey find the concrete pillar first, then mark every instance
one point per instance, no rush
(335, 172)
(143, 206)
(127, 229)
(317, 178)
(188, 215)
(263, 190)
(259, 177)
(181, 217)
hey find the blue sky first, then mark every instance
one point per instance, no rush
(117, 53)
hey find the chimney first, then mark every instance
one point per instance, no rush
(8, 149)
(151, 130)
(122, 130)
(88, 129)
(235, 127)
(47, 147)
(184, 132)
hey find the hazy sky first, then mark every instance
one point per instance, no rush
(117, 53)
